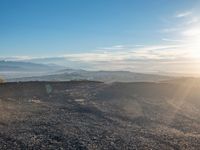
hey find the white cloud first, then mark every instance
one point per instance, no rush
(16, 58)
(193, 20)
(172, 40)
(150, 58)
(115, 47)
(184, 14)
(170, 30)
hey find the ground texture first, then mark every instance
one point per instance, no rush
(93, 115)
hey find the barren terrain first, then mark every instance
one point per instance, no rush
(95, 115)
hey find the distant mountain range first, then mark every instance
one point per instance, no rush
(28, 71)
(104, 76)
(22, 66)
(17, 69)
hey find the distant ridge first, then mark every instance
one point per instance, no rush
(23, 66)
(17, 69)
(103, 76)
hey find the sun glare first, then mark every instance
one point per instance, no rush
(192, 41)
(195, 47)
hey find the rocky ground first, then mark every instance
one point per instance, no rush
(94, 115)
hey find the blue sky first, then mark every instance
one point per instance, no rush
(106, 29)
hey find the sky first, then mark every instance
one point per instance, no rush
(134, 35)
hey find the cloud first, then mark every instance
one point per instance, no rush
(172, 40)
(192, 31)
(149, 58)
(170, 30)
(144, 53)
(193, 20)
(16, 58)
(114, 47)
(184, 14)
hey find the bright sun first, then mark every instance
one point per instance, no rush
(192, 41)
